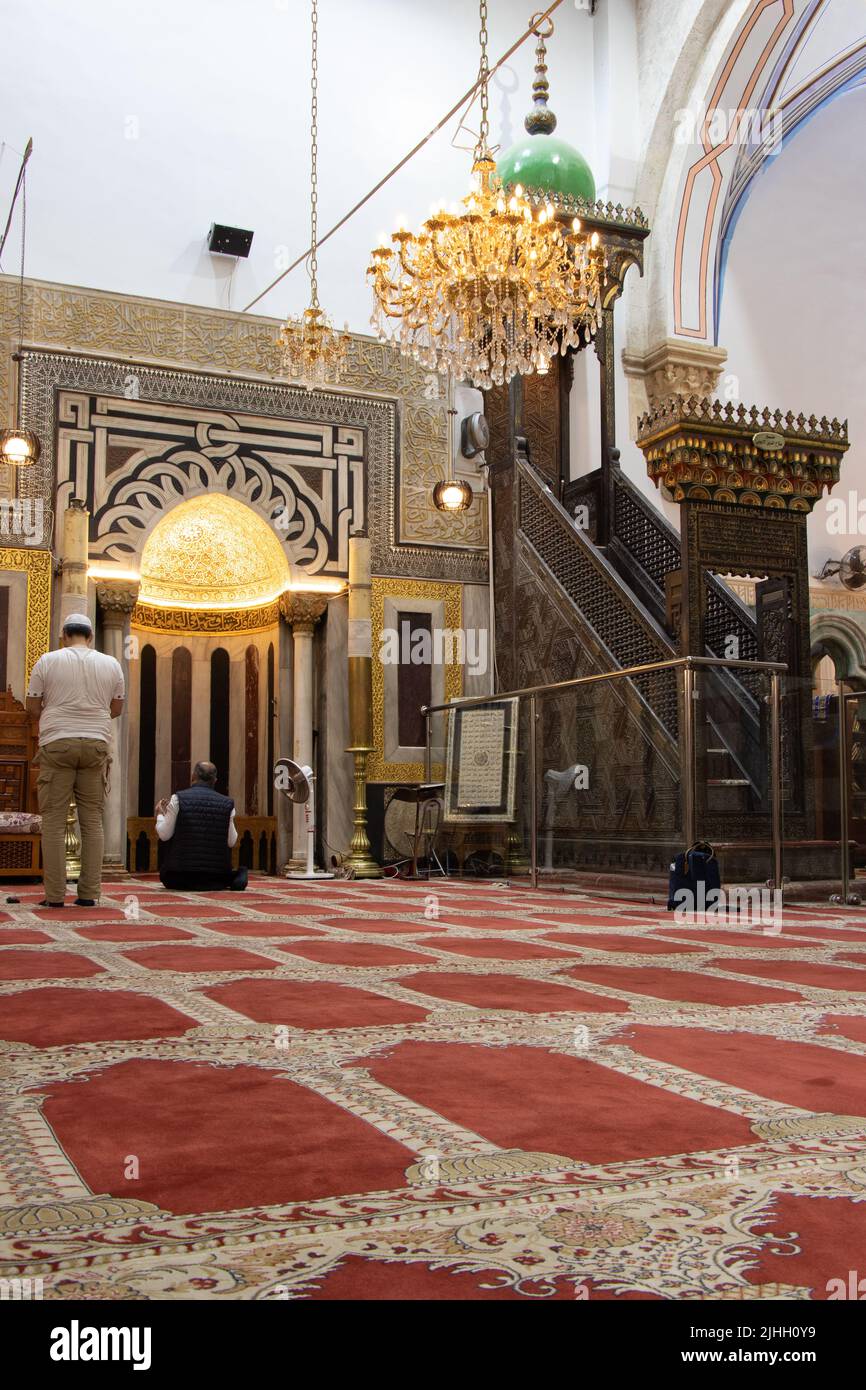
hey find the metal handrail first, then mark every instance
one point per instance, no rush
(688, 665)
(779, 667)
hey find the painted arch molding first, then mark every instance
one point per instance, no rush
(766, 68)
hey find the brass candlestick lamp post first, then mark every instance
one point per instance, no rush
(360, 857)
(72, 845)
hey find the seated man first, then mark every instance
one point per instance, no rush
(200, 827)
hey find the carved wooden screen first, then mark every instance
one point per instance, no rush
(777, 641)
(18, 735)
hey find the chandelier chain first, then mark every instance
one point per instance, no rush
(314, 161)
(496, 286)
(314, 353)
(21, 276)
(484, 75)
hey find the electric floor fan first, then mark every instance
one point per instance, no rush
(299, 785)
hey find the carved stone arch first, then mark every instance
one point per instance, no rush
(845, 642)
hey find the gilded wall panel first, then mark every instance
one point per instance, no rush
(36, 564)
(448, 598)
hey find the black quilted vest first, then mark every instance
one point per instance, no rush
(199, 844)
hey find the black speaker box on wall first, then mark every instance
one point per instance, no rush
(229, 241)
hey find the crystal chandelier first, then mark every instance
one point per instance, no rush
(494, 289)
(315, 353)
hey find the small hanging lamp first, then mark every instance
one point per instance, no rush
(452, 494)
(315, 353)
(19, 448)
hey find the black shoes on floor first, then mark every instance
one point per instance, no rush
(79, 902)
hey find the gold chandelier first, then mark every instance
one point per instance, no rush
(314, 352)
(495, 289)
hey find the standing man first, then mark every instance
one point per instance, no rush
(75, 692)
(199, 825)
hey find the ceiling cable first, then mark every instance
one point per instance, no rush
(478, 85)
(18, 184)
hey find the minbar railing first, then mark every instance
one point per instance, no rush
(683, 670)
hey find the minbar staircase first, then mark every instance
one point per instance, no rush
(614, 596)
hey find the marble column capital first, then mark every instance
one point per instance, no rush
(117, 599)
(302, 610)
(676, 367)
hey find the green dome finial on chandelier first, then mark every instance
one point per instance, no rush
(542, 162)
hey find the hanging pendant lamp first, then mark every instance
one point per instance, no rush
(315, 353)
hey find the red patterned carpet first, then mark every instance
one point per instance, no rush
(369, 1091)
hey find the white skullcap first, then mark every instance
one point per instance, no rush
(77, 620)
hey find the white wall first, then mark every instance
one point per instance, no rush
(793, 313)
(152, 120)
(615, 34)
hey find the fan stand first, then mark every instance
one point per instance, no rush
(310, 872)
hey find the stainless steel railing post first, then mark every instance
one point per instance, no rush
(776, 775)
(533, 790)
(428, 762)
(687, 770)
(844, 758)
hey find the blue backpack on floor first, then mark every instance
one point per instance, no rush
(694, 883)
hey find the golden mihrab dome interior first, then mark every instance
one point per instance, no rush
(212, 552)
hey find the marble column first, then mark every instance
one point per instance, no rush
(336, 766)
(283, 741)
(73, 581)
(302, 611)
(117, 600)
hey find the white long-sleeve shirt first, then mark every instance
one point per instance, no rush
(165, 825)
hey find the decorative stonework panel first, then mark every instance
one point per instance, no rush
(133, 461)
(138, 339)
(629, 815)
(198, 621)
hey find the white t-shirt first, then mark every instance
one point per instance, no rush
(77, 686)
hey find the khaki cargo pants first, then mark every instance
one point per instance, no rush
(72, 767)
